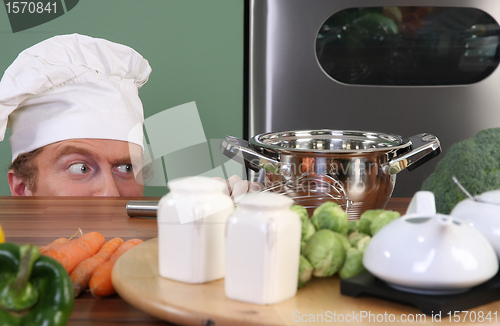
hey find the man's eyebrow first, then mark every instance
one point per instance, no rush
(94, 156)
(120, 161)
(75, 150)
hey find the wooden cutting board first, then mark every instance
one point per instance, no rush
(136, 279)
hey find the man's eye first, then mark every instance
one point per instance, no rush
(79, 168)
(124, 168)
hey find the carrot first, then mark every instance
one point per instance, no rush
(124, 247)
(80, 276)
(53, 244)
(73, 252)
(100, 284)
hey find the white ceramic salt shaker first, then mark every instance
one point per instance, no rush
(262, 249)
(191, 223)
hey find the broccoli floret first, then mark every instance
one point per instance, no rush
(476, 164)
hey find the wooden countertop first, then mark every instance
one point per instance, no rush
(40, 220)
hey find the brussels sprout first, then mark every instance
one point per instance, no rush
(365, 220)
(355, 236)
(345, 241)
(307, 230)
(326, 253)
(352, 226)
(301, 210)
(330, 216)
(368, 217)
(382, 220)
(363, 243)
(353, 264)
(307, 227)
(305, 271)
(302, 246)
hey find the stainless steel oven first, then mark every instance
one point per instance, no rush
(402, 67)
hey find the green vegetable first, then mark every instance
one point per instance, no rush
(326, 253)
(301, 211)
(355, 236)
(305, 271)
(363, 243)
(368, 217)
(34, 289)
(302, 246)
(344, 239)
(353, 264)
(365, 220)
(382, 220)
(330, 216)
(352, 226)
(362, 28)
(377, 24)
(476, 164)
(307, 227)
(17, 293)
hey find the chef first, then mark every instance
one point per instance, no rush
(73, 107)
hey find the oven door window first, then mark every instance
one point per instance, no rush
(408, 46)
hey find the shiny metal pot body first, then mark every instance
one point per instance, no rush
(365, 163)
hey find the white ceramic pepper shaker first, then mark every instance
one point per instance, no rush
(262, 249)
(191, 223)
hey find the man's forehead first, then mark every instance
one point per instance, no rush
(98, 149)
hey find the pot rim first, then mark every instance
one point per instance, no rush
(387, 141)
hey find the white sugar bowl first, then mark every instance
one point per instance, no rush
(430, 253)
(262, 250)
(191, 224)
(483, 213)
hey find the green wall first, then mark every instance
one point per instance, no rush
(195, 48)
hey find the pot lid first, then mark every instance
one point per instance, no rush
(329, 141)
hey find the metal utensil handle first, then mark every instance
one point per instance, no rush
(424, 147)
(454, 178)
(142, 208)
(240, 151)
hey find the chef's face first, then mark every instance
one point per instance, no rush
(86, 167)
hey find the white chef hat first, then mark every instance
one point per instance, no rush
(69, 87)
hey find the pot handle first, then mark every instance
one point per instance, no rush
(424, 147)
(240, 151)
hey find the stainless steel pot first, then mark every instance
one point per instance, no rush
(365, 163)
